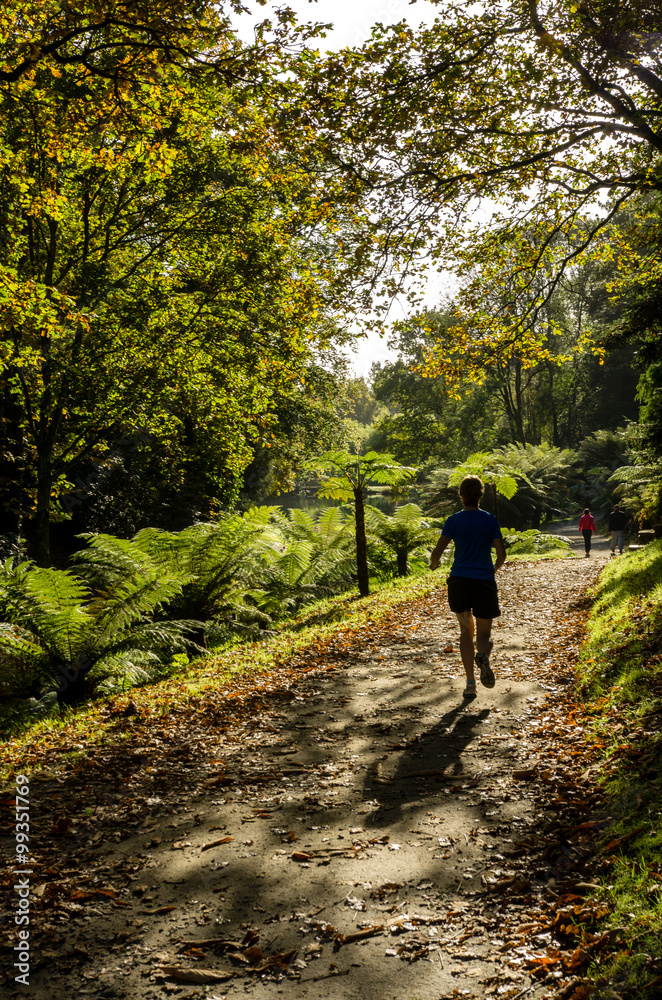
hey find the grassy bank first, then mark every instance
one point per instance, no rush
(319, 630)
(621, 679)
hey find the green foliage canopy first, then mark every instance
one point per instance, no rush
(547, 108)
(164, 264)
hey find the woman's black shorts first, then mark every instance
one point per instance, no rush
(478, 596)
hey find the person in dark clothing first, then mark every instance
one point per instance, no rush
(587, 527)
(617, 521)
(472, 589)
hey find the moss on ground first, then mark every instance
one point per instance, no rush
(620, 675)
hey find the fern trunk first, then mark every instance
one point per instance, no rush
(362, 574)
(401, 556)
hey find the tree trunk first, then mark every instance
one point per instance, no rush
(401, 555)
(13, 501)
(555, 421)
(361, 546)
(41, 532)
(513, 414)
(519, 405)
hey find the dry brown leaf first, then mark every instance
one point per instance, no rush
(216, 843)
(525, 773)
(302, 856)
(197, 976)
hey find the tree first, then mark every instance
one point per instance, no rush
(425, 421)
(359, 403)
(495, 473)
(404, 531)
(440, 490)
(354, 474)
(545, 491)
(314, 559)
(303, 420)
(158, 271)
(119, 42)
(548, 109)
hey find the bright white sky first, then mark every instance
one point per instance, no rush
(352, 20)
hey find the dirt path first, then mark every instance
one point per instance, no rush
(366, 834)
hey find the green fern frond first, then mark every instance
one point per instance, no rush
(132, 602)
(169, 550)
(335, 488)
(166, 635)
(295, 561)
(301, 523)
(108, 562)
(331, 524)
(54, 590)
(123, 668)
(18, 644)
(637, 475)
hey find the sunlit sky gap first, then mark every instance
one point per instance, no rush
(352, 23)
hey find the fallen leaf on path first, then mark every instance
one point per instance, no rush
(525, 773)
(208, 942)
(196, 976)
(216, 843)
(360, 935)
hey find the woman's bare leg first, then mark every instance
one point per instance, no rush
(465, 618)
(483, 635)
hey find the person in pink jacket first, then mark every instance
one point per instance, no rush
(587, 527)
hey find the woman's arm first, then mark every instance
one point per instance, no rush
(437, 551)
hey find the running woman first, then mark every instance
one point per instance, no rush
(472, 589)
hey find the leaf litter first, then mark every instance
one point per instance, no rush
(444, 848)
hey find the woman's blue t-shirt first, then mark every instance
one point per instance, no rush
(473, 532)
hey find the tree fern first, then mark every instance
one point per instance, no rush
(315, 557)
(638, 490)
(227, 559)
(71, 630)
(108, 561)
(403, 532)
(332, 528)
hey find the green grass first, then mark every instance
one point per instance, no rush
(620, 675)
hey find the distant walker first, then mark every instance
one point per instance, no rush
(617, 521)
(587, 528)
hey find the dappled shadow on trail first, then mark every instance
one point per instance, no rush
(346, 826)
(428, 763)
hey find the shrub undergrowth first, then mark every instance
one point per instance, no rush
(97, 722)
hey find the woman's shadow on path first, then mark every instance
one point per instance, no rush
(426, 765)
